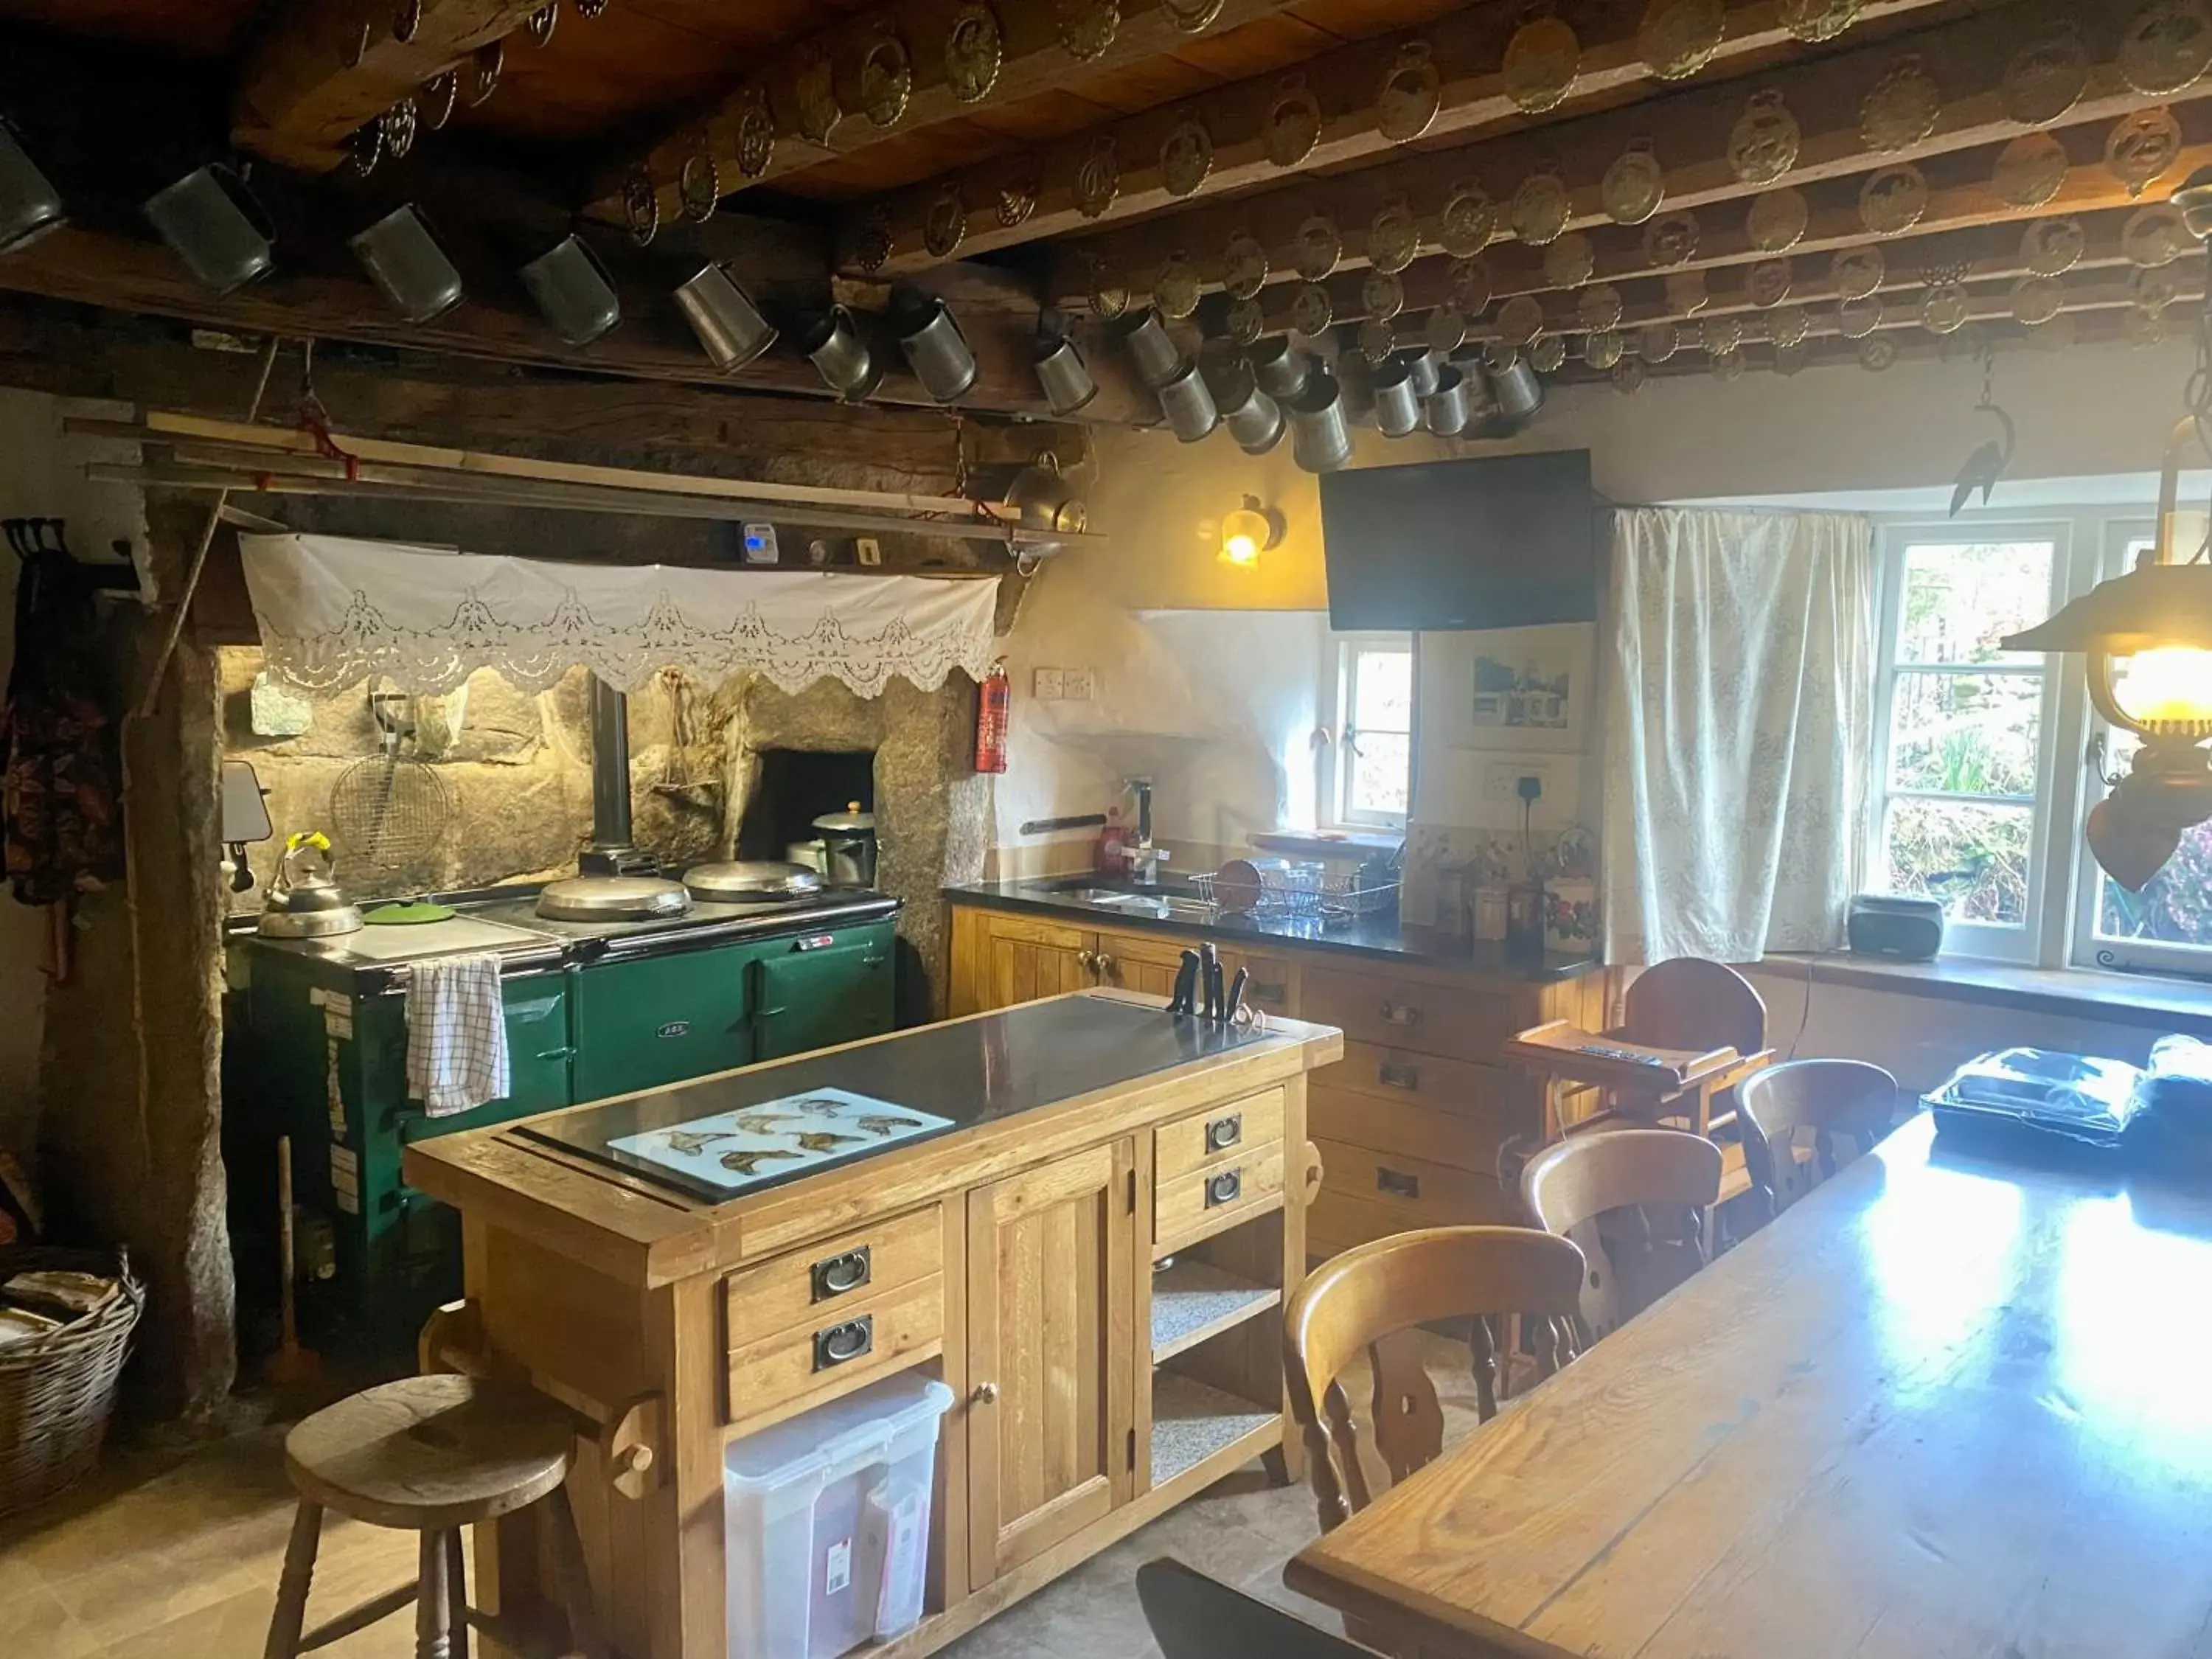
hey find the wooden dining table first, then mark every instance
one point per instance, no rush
(1946, 1405)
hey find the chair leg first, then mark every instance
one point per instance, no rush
(574, 1578)
(456, 1591)
(433, 1606)
(291, 1612)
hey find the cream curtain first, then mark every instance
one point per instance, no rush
(1738, 730)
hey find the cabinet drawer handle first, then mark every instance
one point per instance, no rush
(1391, 1075)
(1398, 1185)
(841, 1344)
(1224, 1131)
(836, 1274)
(1400, 1013)
(1224, 1188)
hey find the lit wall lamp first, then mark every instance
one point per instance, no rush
(2147, 637)
(1249, 531)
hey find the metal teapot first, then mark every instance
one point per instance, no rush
(1046, 505)
(304, 902)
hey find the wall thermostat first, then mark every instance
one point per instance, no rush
(760, 544)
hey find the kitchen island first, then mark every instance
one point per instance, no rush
(1082, 1215)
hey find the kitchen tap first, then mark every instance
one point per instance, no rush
(1143, 859)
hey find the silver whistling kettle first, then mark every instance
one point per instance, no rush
(304, 902)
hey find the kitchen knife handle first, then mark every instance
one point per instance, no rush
(1235, 999)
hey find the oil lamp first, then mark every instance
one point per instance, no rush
(1250, 530)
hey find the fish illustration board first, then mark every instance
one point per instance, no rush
(775, 1140)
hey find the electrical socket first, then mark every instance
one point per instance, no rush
(868, 550)
(1050, 685)
(1075, 684)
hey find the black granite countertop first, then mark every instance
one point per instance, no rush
(960, 1073)
(1379, 937)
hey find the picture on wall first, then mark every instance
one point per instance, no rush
(1527, 688)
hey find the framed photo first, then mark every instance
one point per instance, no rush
(1522, 688)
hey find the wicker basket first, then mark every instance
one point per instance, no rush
(57, 1391)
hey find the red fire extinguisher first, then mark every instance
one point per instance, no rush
(995, 698)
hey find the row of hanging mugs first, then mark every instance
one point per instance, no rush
(211, 220)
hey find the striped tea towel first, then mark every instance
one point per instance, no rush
(456, 1034)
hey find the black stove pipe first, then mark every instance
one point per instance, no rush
(610, 821)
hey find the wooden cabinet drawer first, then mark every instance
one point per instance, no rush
(1226, 1132)
(1464, 1141)
(808, 1286)
(1452, 1020)
(1422, 1192)
(1192, 1206)
(844, 1345)
(1410, 1077)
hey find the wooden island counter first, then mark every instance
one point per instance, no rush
(1053, 1154)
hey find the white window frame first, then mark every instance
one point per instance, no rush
(1986, 940)
(1340, 654)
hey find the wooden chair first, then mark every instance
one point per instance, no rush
(1636, 1201)
(1373, 1299)
(1195, 1617)
(1792, 1116)
(429, 1455)
(1691, 1003)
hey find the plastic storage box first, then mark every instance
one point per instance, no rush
(827, 1521)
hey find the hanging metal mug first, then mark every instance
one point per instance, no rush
(1421, 368)
(1189, 405)
(729, 327)
(1518, 389)
(30, 206)
(1281, 367)
(1253, 419)
(1320, 436)
(1064, 375)
(409, 268)
(938, 352)
(574, 290)
(1397, 403)
(833, 346)
(211, 221)
(1447, 409)
(1158, 358)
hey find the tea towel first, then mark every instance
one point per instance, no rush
(456, 1034)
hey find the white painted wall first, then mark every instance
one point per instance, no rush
(40, 475)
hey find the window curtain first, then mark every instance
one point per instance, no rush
(1738, 711)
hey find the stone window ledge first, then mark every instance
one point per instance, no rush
(2163, 1005)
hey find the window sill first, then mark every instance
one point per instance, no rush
(1328, 843)
(2162, 1004)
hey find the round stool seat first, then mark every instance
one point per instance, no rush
(430, 1452)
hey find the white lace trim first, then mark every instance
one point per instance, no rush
(333, 611)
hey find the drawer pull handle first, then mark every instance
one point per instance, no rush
(836, 1274)
(1392, 1076)
(1224, 1131)
(841, 1344)
(1401, 1185)
(1224, 1188)
(1400, 1013)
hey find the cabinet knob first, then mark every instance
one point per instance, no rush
(1104, 964)
(1400, 1013)
(986, 1393)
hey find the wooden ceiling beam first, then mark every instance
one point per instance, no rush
(329, 67)
(1467, 47)
(1035, 60)
(1690, 133)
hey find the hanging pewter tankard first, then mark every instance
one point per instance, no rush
(1397, 403)
(409, 268)
(574, 291)
(1065, 377)
(212, 222)
(1320, 435)
(30, 206)
(938, 351)
(1253, 418)
(1189, 405)
(729, 327)
(833, 346)
(1153, 350)
(1281, 367)
(1446, 408)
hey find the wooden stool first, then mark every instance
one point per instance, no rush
(428, 1455)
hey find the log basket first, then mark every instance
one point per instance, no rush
(57, 1391)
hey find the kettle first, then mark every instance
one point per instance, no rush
(1046, 505)
(304, 902)
(848, 843)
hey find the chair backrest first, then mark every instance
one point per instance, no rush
(1372, 1299)
(1823, 1106)
(1195, 1617)
(1635, 1201)
(1691, 1003)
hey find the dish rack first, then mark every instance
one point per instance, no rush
(1312, 889)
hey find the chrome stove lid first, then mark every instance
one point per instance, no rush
(749, 881)
(612, 898)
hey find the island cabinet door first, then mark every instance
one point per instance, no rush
(1051, 1315)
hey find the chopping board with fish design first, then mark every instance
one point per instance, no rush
(732, 1152)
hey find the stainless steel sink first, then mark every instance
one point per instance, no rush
(1179, 898)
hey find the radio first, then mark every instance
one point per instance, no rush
(1899, 926)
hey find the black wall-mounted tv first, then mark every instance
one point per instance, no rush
(1508, 541)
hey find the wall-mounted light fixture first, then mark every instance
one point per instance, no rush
(1249, 531)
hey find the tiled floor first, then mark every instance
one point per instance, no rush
(175, 1557)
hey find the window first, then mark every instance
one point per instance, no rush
(1963, 779)
(1366, 780)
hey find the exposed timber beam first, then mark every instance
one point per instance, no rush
(329, 67)
(1690, 133)
(831, 62)
(1467, 47)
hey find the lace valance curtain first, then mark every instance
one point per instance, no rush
(334, 610)
(1738, 731)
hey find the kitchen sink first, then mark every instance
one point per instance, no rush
(1171, 898)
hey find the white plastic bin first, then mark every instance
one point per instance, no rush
(827, 1521)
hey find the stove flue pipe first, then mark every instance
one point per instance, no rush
(610, 821)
